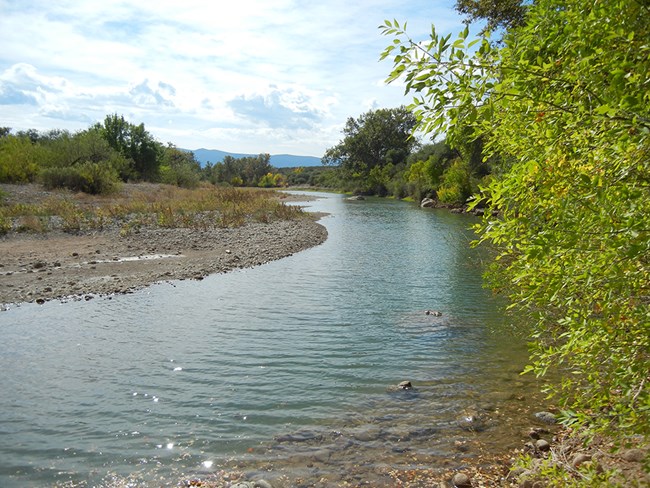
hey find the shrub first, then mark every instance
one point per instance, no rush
(88, 177)
(456, 184)
(18, 160)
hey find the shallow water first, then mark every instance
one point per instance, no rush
(284, 370)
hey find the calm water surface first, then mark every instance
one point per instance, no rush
(283, 370)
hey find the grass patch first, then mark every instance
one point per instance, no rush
(149, 205)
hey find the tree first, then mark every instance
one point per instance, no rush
(563, 103)
(245, 171)
(134, 143)
(179, 167)
(376, 138)
(505, 14)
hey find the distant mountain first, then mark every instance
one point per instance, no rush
(205, 156)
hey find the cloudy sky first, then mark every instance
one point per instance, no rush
(250, 76)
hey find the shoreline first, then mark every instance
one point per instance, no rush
(56, 265)
(36, 267)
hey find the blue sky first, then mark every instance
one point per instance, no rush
(248, 76)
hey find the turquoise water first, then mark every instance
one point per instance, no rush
(284, 368)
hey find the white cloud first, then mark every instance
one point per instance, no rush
(247, 76)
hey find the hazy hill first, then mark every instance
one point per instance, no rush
(204, 156)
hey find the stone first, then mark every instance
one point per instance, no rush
(461, 480)
(579, 459)
(542, 445)
(427, 203)
(262, 484)
(405, 385)
(546, 417)
(434, 313)
(471, 422)
(634, 455)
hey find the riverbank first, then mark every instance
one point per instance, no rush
(37, 266)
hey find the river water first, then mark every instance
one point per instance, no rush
(285, 371)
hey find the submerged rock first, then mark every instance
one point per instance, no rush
(434, 313)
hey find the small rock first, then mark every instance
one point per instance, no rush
(427, 203)
(38, 265)
(542, 445)
(40, 301)
(546, 417)
(634, 455)
(405, 385)
(434, 313)
(461, 480)
(579, 459)
(262, 484)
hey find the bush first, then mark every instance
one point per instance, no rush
(183, 176)
(18, 160)
(456, 184)
(88, 177)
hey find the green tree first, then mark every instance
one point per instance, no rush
(179, 168)
(497, 13)
(376, 138)
(563, 102)
(134, 143)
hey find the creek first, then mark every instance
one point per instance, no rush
(285, 371)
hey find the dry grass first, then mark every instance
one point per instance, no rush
(29, 208)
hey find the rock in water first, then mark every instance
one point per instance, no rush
(546, 417)
(461, 480)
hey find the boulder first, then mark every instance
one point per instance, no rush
(546, 417)
(461, 480)
(405, 385)
(428, 203)
(471, 422)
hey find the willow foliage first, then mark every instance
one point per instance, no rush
(564, 101)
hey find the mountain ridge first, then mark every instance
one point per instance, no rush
(205, 156)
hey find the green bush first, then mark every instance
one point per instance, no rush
(93, 178)
(183, 176)
(18, 160)
(456, 186)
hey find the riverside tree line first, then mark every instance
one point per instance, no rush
(557, 95)
(98, 159)
(377, 156)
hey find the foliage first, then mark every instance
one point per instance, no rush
(271, 180)
(497, 13)
(245, 171)
(134, 143)
(18, 160)
(87, 177)
(456, 186)
(179, 168)
(376, 138)
(563, 103)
